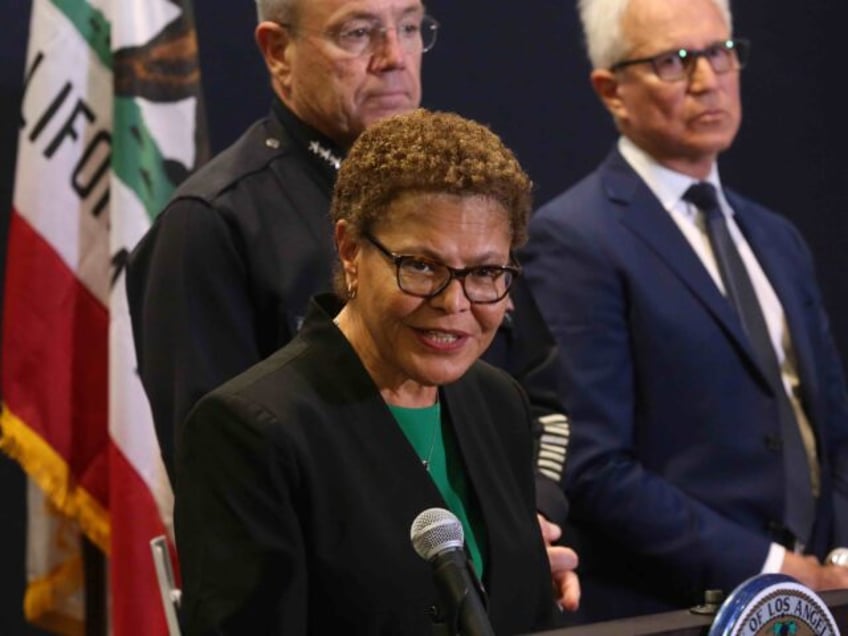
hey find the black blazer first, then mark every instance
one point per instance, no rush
(296, 490)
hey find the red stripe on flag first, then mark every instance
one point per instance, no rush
(55, 361)
(136, 600)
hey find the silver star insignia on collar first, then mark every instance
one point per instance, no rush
(326, 154)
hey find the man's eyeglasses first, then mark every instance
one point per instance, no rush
(363, 36)
(424, 278)
(671, 66)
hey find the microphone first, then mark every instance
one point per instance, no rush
(437, 537)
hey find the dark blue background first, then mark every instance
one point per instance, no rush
(520, 68)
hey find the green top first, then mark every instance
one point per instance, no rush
(425, 430)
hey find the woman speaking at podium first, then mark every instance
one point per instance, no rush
(297, 481)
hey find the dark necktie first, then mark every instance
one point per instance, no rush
(800, 503)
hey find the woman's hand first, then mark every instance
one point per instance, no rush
(563, 562)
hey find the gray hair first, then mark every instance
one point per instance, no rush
(281, 11)
(601, 20)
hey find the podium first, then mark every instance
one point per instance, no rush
(684, 622)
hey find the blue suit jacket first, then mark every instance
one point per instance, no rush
(675, 469)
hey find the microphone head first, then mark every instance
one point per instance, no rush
(434, 531)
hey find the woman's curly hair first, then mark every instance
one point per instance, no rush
(429, 152)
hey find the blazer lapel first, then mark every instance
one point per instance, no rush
(481, 478)
(794, 300)
(348, 383)
(469, 445)
(643, 215)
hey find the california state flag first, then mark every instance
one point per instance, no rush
(109, 126)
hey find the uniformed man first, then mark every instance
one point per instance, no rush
(223, 277)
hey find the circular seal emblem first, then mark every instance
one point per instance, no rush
(773, 605)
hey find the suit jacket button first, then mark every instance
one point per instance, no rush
(774, 443)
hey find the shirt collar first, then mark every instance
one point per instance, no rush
(667, 185)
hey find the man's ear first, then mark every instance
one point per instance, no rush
(276, 45)
(607, 88)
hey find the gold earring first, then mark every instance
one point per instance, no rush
(351, 291)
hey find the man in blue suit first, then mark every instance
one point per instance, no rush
(688, 439)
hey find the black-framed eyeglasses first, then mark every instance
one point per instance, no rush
(677, 64)
(364, 36)
(425, 278)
